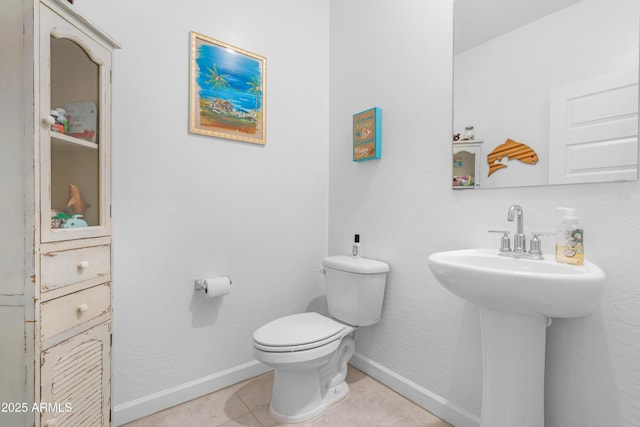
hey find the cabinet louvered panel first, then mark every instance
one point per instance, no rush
(75, 380)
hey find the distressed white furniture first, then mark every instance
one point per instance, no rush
(55, 283)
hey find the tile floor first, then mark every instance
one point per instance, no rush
(369, 404)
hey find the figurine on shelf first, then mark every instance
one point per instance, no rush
(74, 222)
(58, 218)
(469, 134)
(76, 204)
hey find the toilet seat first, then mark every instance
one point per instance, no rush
(298, 332)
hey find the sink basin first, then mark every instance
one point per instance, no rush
(519, 285)
(516, 297)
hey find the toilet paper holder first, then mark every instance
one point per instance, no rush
(199, 284)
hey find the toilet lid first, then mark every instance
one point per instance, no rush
(298, 330)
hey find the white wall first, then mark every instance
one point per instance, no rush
(502, 86)
(188, 206)
(260, 213)
(399, 59)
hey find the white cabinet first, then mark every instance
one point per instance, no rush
(75, 71)
(55, 257)
(466, 164)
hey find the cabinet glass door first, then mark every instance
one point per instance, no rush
(75, 135)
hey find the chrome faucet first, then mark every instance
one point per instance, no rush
(519, 239)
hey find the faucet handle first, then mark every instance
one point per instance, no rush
(535, 246)
(505, 243)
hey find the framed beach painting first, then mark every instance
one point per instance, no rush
(227, 91)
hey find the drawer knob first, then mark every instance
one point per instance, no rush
(83, 265)
(82, 308)
(49, 120)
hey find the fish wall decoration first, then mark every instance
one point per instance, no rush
(511, 150)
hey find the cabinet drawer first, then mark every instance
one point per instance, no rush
(71, 310)
(63, 268)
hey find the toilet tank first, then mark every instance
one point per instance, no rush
(355, 288)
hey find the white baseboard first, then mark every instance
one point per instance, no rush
(147, 405)
(433, 403)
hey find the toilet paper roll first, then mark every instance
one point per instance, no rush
(217, 286)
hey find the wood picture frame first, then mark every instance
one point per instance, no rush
(227, 91)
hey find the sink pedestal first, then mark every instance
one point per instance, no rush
(516, 296)
(513, 353)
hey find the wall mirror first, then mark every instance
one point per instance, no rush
(550, 88)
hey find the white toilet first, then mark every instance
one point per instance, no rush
(309, 351)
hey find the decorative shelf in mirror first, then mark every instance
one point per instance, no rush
(466, 164)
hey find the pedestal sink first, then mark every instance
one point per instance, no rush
(517, 297)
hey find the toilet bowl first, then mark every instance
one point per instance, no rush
(309, 351)
(310, 366)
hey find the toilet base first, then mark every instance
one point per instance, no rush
(309, 400)
(302, 392)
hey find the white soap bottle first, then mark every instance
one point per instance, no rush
(569, 239)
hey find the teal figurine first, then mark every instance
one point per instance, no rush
(74, 221)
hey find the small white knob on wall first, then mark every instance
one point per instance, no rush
(82, 308)
(83, 265)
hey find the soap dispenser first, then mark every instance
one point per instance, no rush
(355, 250)
(569, 239)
